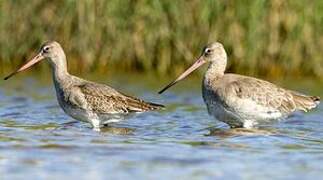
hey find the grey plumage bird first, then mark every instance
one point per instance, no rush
(242, 101)
(84, 100)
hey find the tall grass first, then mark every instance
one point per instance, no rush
(267, 38)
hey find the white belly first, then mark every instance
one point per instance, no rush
(246, 113)
(80, 114)
(96, 120)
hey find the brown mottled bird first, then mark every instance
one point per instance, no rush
(84, 100)
(242, 101)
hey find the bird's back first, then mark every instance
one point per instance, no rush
(100, 98)
(104, 99)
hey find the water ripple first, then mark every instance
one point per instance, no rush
(38, 140)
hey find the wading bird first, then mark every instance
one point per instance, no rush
(84, 100)
(242, 101)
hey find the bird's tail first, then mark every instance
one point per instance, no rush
(138, 105)
(154, 106)
(304, 102)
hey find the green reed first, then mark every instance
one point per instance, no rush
(266, 38)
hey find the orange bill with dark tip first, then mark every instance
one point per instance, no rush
(30, 63)
(196, 65)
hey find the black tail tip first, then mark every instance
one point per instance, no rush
(316, 99)
(157, 106)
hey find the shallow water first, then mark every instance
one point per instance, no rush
(36, 140)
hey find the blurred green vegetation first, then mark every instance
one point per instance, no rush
(266, 38)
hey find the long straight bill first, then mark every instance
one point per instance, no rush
(196, 65)
(30, 63)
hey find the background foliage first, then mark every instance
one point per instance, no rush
(267, 38)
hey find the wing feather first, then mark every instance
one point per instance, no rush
(262, 93)
(100, 98)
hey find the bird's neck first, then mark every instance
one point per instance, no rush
(59, 69)
(215, 71)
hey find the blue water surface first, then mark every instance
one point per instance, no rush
(181, 142)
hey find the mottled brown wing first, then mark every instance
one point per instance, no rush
(262, 93)
(104, 99)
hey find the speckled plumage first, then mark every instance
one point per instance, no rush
(84, 100)
(245, 101)
(242, 101)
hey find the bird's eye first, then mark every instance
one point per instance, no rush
(207, 51)
(45, 49)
